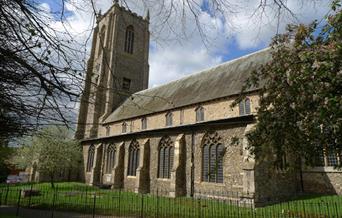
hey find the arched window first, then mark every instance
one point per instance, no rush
(144, 123)
(245, 107)
(107, 130)
(124, 127)
(332, 157)
(168, 118)
(90, 161)
(199, 114)
(212, 158)
(129, 40)
(165, 160)
(133, 158)
(111, 151)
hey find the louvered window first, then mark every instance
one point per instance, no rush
(126, 83)
(129, 40)
(111, 151)
(133, 158)
(212, 159)
(199, 114)
(165, 157)
(90, 160)
(245, 107)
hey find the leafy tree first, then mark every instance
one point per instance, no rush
(5, 169)
(51, 150)
(300, 109)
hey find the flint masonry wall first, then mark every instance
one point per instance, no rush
(323, 180)
(186, 144)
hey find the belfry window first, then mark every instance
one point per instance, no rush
(212, 159)
(165, 157)
(129, 40)
(111, 151)
(101, 41)
(199, 114)
(133, 158)
(245, 107)
(90, 160)
(168, 118)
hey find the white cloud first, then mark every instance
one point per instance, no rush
(171, 59)
(254, 28)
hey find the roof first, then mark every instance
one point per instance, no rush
(223, 80)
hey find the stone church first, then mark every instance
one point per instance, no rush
(183, 138)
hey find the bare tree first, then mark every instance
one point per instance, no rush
(40, 70)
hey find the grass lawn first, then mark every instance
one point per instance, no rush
(82, 198)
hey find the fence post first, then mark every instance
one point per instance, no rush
(86, 196)
(120, 202)
(199, 207)
(53, 202)
(29, 202)
(157, 203)
(94, 205)
(304, 209)
(336, 209)
(7, 190)
(142, 206)
(18, 203)
(328, 209)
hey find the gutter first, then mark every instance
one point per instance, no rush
(233, 121)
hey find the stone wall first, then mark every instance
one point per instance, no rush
(323, 180)
(232, 163)
(273, 184)
(188, 154)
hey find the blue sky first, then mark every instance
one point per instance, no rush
(238, 34)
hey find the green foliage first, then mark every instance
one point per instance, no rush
(5, 153)
(51, 150)
(300, 109)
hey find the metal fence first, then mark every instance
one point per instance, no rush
(41, 201)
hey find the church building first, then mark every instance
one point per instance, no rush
(182, 138)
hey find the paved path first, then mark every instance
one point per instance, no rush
(35, 213)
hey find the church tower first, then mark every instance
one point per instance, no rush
(117, 67)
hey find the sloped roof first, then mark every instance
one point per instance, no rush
(221, 81)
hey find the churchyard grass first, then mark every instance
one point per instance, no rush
(79, 197)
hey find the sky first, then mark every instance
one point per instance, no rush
(177, 48)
